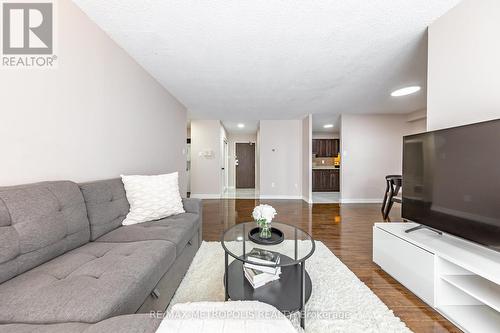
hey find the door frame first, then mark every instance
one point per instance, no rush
(235, 158)
(225, 165)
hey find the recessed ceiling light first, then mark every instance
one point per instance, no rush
(241, 125)
(405, 91)
(328, 126)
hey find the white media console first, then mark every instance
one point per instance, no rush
(459, 279)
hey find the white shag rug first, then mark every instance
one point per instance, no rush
(339, 302)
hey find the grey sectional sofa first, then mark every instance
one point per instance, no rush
(136, 323)
(65, 258)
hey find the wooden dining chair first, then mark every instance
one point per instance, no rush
(393, 186)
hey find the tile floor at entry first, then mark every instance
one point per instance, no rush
(240, 193)
(326, 197)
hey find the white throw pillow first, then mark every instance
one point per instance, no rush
(152, 197)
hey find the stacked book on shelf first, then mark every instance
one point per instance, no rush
(257, 274)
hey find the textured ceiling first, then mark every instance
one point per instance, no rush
(321, 119)
(277, 59)
(251, 126)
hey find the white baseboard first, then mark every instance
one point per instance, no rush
(281, 197)
(286, 197)
(308, 200)
(205, 196)
(348, 201)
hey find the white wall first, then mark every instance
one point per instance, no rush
(232, 139)
(96, 116)
(417, 122)
(464, 65)
(307, 158)
(205, 171)
(371, 149)
(281, 159)
(416, 126)
(325, 135)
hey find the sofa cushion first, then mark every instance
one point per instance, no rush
(41, 328)
(39, 222)
(178, 229)
(193, 205)
(137, 323)
(107, 205)
(88, 284)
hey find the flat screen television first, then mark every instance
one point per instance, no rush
(451, 181)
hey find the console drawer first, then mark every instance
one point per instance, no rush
(411, 265)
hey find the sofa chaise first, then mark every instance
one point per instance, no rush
(66, 259)
(136, 323)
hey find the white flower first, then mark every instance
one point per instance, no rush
(264, 212)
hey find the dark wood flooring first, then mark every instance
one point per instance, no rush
(347, 231)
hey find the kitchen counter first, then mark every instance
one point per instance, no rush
(325, 178)
(325, 167)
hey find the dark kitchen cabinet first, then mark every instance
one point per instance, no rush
(315, 147)
(317, 181)
(336, 147)
(325, 147)
(326, 180)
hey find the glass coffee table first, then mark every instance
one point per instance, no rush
(291, 292)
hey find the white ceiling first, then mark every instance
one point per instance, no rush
(277, 59)
(251, 126)
(321, 119)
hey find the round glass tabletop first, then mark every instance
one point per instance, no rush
(297, 246)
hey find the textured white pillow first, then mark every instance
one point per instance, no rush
(152, 197)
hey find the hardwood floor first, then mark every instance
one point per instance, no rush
(347, 231)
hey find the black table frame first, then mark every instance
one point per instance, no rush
(301, 263)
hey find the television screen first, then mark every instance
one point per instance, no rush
(451, 181)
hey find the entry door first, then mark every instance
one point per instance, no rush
(245, 170)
